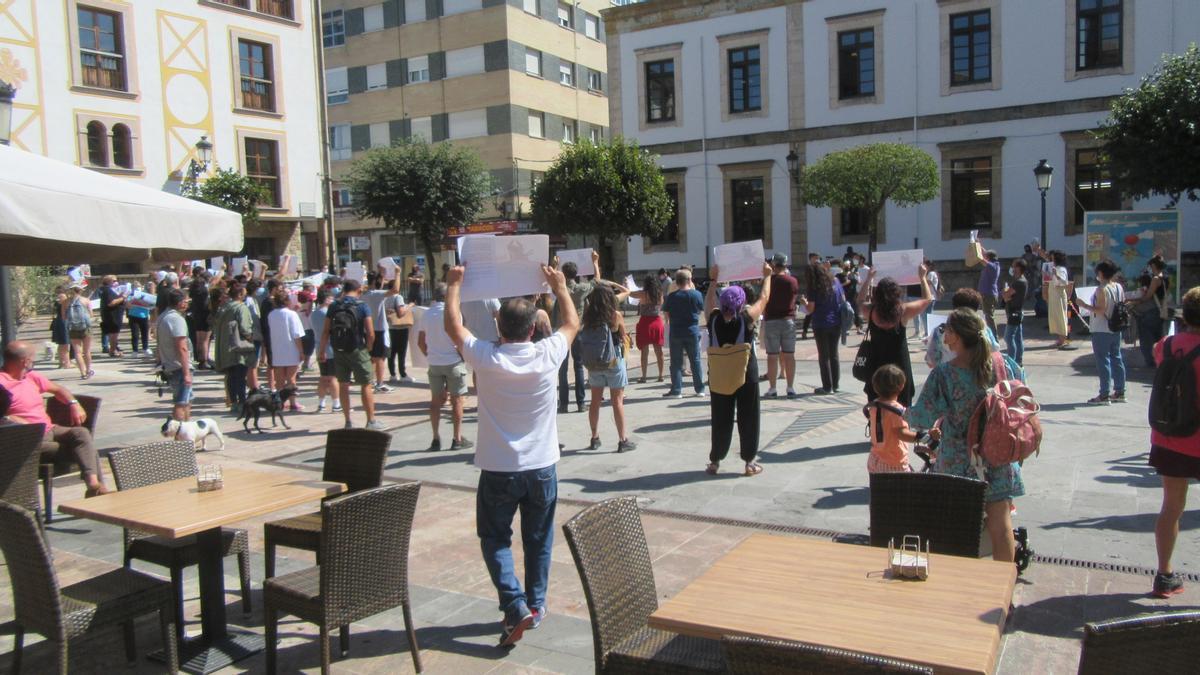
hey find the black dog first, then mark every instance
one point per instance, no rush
(264, 399)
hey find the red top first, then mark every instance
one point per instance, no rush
(1181, 344)
(782, 303)
(27, 400)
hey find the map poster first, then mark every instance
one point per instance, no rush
(1130, 239)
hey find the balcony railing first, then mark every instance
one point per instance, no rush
(103, 69)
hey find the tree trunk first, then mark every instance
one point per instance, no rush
(430, 262)
(873, 235)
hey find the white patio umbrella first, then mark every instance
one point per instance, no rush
(52, 212)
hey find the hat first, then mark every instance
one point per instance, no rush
(303, 297)
(732, 299)
(779, 260)
(159, 276)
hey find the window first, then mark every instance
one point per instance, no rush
(660, 91)
(379, 135)
(262, 166)
(670, 232)
(591, 26)
(466, 61)
(101, 49)
(566, 74)
(1098, 25)
(257, 73)
(856, 63)
(853, 222)
(418, 69)
(747, 209)
(971, 47)
(279, 8)
(570, 132)
(372, 18)
(565, 15)
(376, 76)
(122, 146)
(971, 193)
(414, 11)
(596, 135)
(533, 62)
(467, 124)
(97, 144)
(596, 81)
(333, 28)
(535, 177)
(745, 86)
(531, 6)
(337, 86)
(339, 142)
(342, 198)
(422, 127)
(1094, 189)
(450, 7)
(537, 124)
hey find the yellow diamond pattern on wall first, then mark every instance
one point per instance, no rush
(21, 67)
(186, 85)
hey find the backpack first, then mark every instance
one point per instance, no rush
(1173, 398)
(1118, 318)
(879, 407)
(78, 318)
(1005, 427)
(345, 325)
(596, 348)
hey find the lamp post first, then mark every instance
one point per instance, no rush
(1044, 174)
(8, 324)
(793, 165)
(191, 184)
(7, 94)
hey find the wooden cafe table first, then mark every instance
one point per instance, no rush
(838, 595)
(177, 509)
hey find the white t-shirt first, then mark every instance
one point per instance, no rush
(1098, 322)
(479, 318)
(441, 348)
(518, 402)
(376, 301)
(284, 327)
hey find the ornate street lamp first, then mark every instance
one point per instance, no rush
(793, 165)
(191, 183)
(1044, 174)
(7, 93)
(8, 323)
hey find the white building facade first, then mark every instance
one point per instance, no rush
(724, 91)
(129, 88)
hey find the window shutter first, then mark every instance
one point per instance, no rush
(437, 66)
(441, 127)
(354, 21)
(357, 77)
(395, 73)
(360, 137)
(392, 14)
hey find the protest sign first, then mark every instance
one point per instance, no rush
(740, 260)
(582, 257)
(388, 265)
(86, 269)
(936, 320)
(501, 267)
(95, 304)
(237, 266)
(1088, 295)
(76, 275)
(633, 288)
(258, 267)
(217, 263)
(289, 265)
(356, 271)
(458, 244)
(143, 299)
(899, 265)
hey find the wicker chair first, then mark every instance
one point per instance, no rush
(51, 464)
(157, 463)
(19, 459)
(609, 547)
(945, 510)
(1167, 642)
(757, 656)
(352, 456)
(364, 570)
(63, 614)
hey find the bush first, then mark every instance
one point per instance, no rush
(35, 288)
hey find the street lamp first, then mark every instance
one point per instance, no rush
(1044, 173)
(8, 324)
(7, 93)
(793, 165)
(191, 183)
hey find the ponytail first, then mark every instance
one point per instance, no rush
(972, 332)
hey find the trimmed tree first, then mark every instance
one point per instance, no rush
(608, 190)
(231, 190)
(421, 189)
(867, 177)
(1152, 138)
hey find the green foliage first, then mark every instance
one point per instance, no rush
(420, 188)
(231, 190)
(36, 287)
(867, 176)
(1152, 138)
(612, 189)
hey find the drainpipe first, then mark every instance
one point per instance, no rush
(704, 159)
(322, 116)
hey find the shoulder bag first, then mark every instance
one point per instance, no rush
(862, 370)
(727, 364)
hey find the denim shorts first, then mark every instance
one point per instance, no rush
(779, 335)
(181, 394)
(613, 378)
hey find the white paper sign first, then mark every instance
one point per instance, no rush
(461, 240)
(936, 320)
(356, 271)
(899, 265)
(76, 275)
(739, 260)
(259, 267)
(86, 269)
(974, 236)
(237, 266)
(288, 265)
(217, 262)
(143, 299)
(633, 287)
(501, 267)
(124, 289)
(388, 265)
(1086, 294)
(95, 303)
(582, 257)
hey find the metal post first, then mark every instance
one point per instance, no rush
(8, 323)
(1045, 244)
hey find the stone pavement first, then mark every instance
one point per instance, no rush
(1091, 500)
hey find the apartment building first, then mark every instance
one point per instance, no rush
(512, 80)
(131, 88)
(725, 91)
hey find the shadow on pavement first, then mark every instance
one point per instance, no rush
(809, 454)
(1063, 616)
(654, 481)
(1138, 523)
(1133, 471)
(837, 497)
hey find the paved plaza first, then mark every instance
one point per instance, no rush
(1090, 508)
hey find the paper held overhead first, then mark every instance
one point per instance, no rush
(502, 267)
(740, 260)
(582, 257)
(903, 266)
(356, 271)
(238, 266)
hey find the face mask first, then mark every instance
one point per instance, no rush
(1012, 272)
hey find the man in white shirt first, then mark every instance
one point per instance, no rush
(517, 443)
(447, 372)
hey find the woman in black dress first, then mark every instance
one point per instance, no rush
(887, 316)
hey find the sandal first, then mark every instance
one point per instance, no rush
(753, 468)
(711, 469)
(641, 380)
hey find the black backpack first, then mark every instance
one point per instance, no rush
(1173, 399)
(1119, 319)
(345, 325)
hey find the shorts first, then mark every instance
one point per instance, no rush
(650, 331)
(779, 335)
(452, 379)
(614, 378)
(181, 394)
(78, 334)
(877, 465)
(1174, 464)
(378, 349)
(326, 368)
(356, 364)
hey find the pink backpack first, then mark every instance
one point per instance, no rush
(1005, 427)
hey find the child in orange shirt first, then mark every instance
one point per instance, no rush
(890, 436)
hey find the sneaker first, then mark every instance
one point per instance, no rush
(822, 392)
(673, 394)
(382, 388)
(626, 446)
(461, 444)
(578, 407)
(1166, 585)
(791, 394)
(435, 445)
(376, 425)
(393, 380)
(1102, 399)
(406, 379)
(1117, 397)
(770, 393)
(702, 394)
(539, 613)
(296, 407)
(594, 445)
(337, 407)
(349, 425)
(321, 407)
(515, 625)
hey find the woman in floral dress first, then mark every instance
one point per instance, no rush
(951, 394)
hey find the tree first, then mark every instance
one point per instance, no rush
(1152, 137)
(867, 177)
(231, 190)
(612, 189)
(420, 188)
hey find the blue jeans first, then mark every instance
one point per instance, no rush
(1107, 348)
(923, 319)
(1014, 335)
(500, 495)
(1150, 331)
(689, 341)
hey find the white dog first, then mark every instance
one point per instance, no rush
(195, 430)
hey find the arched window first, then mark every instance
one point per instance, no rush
(122, 146)
(97, 144)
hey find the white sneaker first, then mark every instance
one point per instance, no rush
(376, 425)
(702, 394)
(406, 378)
(321, 407)
(382, 388)
(337, 407)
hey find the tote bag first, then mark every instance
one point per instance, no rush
(862, 369)
(727, 363)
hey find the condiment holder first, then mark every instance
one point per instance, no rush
(209, 478)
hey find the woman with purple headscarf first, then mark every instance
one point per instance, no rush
(734, 323)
